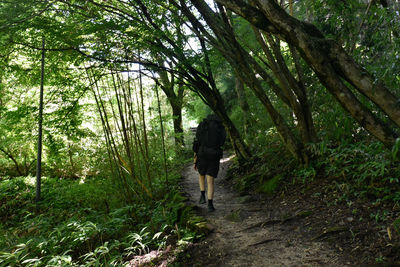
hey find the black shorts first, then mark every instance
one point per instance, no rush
(208, 166)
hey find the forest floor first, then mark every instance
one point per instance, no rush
(295, 229)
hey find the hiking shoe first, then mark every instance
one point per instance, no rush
(211, 208)
(202, 199)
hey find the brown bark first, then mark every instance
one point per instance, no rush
(214, 100)
(201, 82)
(331, 64)
(299, 90)
(176, 102)
(364, 82)
(242, 64)
(177, 121)
(291, 142)
(296, 95)
(217, 105)
(244, 105)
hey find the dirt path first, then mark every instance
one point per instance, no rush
(251, 233)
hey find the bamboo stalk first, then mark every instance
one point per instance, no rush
(146, 142)
(113, 145)
(162, 137)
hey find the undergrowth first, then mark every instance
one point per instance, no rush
(87, 223)
(355, 185)
(368, 170)
(264, 172)
(362, 171)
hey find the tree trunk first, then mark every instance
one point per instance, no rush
(298, 88)
(40, 136)
(244, 106)
(242, 64)
(296, 96)
(10, 156)
(177, 120)
(71, 160)
(216, 103)
(145, 138)
(201, 82)
(329, 61)
(162, 139)
(176, 101)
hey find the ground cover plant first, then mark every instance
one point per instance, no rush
(101, 99)
(86, 223)
(349, 196)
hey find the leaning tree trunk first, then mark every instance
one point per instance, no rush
(10, 156)
(243, 65)
(244, 105)
(329, 61)
(199, 81)
(213, 98)
(297, 97)
(216, 103)
(291, 142)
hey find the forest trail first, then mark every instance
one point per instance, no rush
(245, 232)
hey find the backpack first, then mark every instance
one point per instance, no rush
(210, 136)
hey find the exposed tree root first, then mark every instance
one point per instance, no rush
(264, 241)
(332, 230)
(262, 224)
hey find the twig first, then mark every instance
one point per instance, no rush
(265, 241)
(332, 230)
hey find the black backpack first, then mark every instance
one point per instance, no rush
(210, 136)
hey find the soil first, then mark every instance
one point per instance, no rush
(302, 225)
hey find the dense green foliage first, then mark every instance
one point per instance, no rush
(119, 80)
(345, 153)
(71, 227)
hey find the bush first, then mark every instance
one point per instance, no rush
(86, 223)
